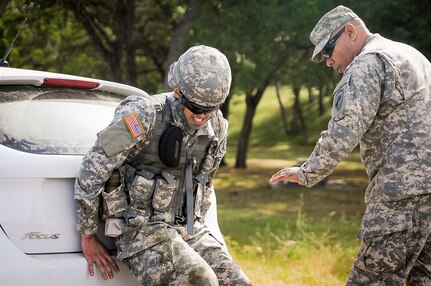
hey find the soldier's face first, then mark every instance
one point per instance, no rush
(195, 119)
(342, 54)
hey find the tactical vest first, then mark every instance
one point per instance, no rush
(156, 191)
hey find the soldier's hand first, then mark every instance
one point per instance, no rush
(95, 252)
(287, 174)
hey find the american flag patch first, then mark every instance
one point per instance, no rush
(134, 125)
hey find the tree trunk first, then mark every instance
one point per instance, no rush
(252, 100)
(298, 112)
(176, 48)
(3, 5)
(225, 110)
(310, 95)
(117, 50)
(321, 105)
(283, 113)
(129, 42)
(109, 49)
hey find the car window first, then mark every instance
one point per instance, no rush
(53, 120)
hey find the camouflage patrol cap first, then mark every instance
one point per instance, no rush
(330, 22)
(203, 75)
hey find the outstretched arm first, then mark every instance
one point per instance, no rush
(287, 174)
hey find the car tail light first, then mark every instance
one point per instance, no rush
(72, 83)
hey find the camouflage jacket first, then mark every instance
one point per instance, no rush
(382, 103)
(107, 155)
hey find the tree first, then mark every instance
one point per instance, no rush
(3, 5)
(111, 29)
(125, 41)
(176, 48)
(259, 38)
(135, 41)
(37, 44)
(50, 40)
(138, 39)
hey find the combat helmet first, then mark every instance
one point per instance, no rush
(203, 76)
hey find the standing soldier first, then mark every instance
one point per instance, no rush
(382, 103)
(165, 149)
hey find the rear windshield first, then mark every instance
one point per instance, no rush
(53, 120)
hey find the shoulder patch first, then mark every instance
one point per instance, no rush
(134, 125)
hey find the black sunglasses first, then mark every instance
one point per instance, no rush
(196, 108)
(330, 45)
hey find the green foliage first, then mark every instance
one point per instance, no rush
(290, 235)
(54, 39)
(255, 34)
(403, 20)
(265, 41)
(50, 40)
(154, 26)
(258, 36)
(267, 123)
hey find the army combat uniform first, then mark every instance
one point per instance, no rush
(154, 239)
(167, 166)
(383, 103)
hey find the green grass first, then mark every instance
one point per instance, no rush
(287, 234)
(290, 235)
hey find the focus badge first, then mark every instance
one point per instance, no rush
(134, 125)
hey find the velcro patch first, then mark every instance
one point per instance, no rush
(134, 125)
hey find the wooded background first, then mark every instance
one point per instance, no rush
(266, 41)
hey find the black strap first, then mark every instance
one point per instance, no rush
(189, 195)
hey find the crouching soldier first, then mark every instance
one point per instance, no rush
(166, 149)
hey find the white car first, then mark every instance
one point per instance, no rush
(48, 121)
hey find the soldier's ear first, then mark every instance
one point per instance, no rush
(351, 31)
(177, 92)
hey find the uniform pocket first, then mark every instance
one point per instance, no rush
(385, 253)
(142, 189)
(384, 231)
(164, 191)
(114, 203)
(202, 201)
(386, 218)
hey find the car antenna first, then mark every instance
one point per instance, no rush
(3, 62)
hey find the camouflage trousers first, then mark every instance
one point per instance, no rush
(182, 260)
(403, 256)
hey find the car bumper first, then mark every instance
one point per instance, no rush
(67, 269)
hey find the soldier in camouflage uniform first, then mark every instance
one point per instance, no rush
(166, 149)
(382, 103)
